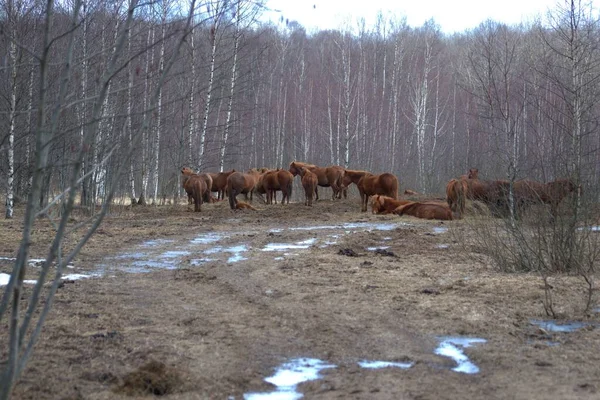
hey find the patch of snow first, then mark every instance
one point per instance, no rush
(451, 347)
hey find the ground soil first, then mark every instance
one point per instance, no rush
(217, 329)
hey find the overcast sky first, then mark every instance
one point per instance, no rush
(451, 15)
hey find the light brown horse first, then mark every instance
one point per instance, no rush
(239, 182)
(369, 184)
(272, 181)
(195, 186)
(331, 176)
(219, 183)
(309, 183)
(552, 193)
(385, 205)
(426, 210)
(456, 195)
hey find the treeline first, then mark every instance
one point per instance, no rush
(513, 101)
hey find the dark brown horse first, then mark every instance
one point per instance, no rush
(456, 195)
(309, 183)
(239, 182)
(369, 184)
(195, 186)
(385, 205)
(426, 210)
(272, 181)
(219, 183)
(331, 176)
(472, 174)
(529, 192)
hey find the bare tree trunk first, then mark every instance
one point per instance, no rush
(156, 141)
(213, 59)
(10, 188)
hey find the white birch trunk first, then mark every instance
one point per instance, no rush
(213, 57)
(10, 189)
(156, 141)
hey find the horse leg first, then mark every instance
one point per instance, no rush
(316, 193)
(232, 200)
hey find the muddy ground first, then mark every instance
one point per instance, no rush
(207, 305)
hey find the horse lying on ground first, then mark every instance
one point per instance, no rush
(219, 183)
(240, 205)
(309, 183)
(409, 192)
(195, 186)
(426, 210)
(239, 182)
(368, 184)
(331, 176)
(456, 194)
(385, 205)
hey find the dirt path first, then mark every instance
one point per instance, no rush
(224, 306)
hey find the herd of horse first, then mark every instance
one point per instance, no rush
(381, 189)
(497, 194)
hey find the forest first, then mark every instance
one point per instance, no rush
(127, 103)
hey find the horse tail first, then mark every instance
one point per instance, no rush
(290, 185)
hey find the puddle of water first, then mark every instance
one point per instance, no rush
(237, 253)
(200, 261)
(378, 248)
(383, 364)
(304, 244)
(276, 230)
(152, 264)
(279, 258)
(214, 250)
(553, 326)
(387, 238)
(452, 347)
(174, 254)
(595, 228)
(288, 376)
(207, 238)
(132, 255)
(4, 278)
(156, 242)
(353, 225)
(442, 246)
(440, 229)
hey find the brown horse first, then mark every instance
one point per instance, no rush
(239, 182)
(385, 205)
(219, 183)
(272, 181)
(347, 181)
(456, 194)
(472, 174)
(369, 184)
(309, 183)
(331, 176)
(552, 193)
(426, 210)
(195, 186)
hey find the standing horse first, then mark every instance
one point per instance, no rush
(309, 183)
(368, 184)
(239, 182)
(272, 181)
(195, 186)
(472, 174)
(219, 183)
(456, 194)
(331, 176)
(528, 192)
